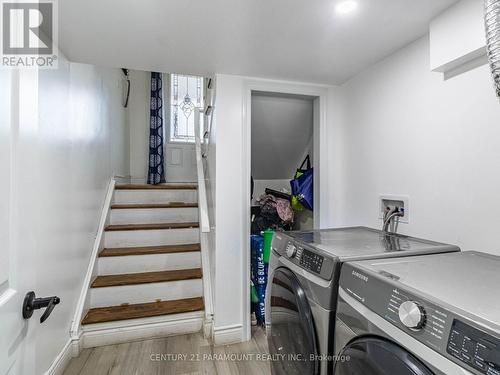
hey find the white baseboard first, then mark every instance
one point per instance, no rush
(122, 179)
(76, 344)
(138, 180)
(141, 329)
(232, 334)
(208, 327)
(62, 360)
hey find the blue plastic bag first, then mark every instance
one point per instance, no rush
(258, 267)
(260, 308)
(259, 271)
(303, 188)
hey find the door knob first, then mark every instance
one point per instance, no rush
(31, 303)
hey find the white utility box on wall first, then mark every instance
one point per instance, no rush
(401, 201)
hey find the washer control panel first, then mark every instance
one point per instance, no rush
(305, 257)
(475, 348)
(290, 250)
(311, 261)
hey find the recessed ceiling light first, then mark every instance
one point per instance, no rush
(345, 7)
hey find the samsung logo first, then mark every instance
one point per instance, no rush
(360, 276)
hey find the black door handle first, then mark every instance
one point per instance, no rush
(31, 303)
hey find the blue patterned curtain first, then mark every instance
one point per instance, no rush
(156, 173)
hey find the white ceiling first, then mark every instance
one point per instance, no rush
(282, 130)
(285, 39)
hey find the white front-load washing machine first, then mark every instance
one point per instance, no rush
(304, 270)
(431, 315)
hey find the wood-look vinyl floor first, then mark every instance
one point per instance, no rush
(176, 355)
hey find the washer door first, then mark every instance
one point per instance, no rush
(376, 356)
(292, 337)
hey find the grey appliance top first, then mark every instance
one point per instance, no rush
(356, 243)
(467, 281)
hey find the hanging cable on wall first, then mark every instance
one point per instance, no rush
(126, 89)
(492, 26)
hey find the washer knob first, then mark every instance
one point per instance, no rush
(412, 315)
(291, 250)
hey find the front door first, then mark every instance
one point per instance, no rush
(16, 110)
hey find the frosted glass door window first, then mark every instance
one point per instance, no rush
(186, 94)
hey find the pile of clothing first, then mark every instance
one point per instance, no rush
(273, 212)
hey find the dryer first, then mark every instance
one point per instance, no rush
(304, 270)
(432, 315)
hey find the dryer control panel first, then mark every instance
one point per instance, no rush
(420, 318)
(308, 258)
(475, 348)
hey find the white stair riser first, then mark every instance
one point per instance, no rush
(144, 293)
(155, 237)
(125, 331)
(148, 263)
(154, 215)
(149, 320)
(155, 196)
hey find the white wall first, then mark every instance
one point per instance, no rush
(407, 131)
(81, 140)
(334, 169)
(228, 289)
(180, 162)
(282, 134)
(138, 109)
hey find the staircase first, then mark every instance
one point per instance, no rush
(149, 271)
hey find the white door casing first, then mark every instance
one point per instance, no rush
(320, 104)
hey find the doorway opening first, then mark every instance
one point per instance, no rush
(284, 145)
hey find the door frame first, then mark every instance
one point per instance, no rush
(320, 152)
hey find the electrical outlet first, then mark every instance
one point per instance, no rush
(401, 201)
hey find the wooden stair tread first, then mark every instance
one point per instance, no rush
(142, 310)
(123, 227)
(154, 205)
(156, 187)
(146, 277)
(147, 250)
